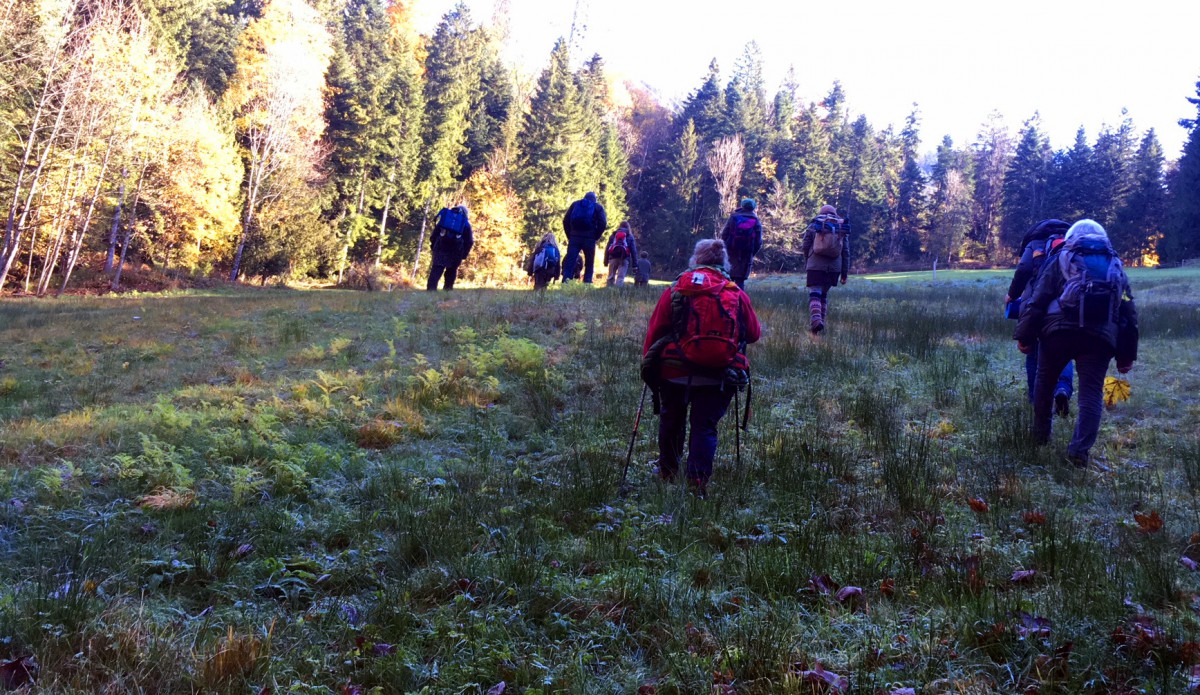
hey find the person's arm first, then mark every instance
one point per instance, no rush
(845, 252)
(1046, 288)
(1023, 276)
(633, 250)
(468, 239)
(1127, 331)
(806, 243)
(751, 330)
(660, 321)
(758, 235)
(601, 220)
(567, 219)
(727, 233)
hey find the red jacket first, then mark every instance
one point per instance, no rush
(660, 320)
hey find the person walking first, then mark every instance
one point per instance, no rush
(1043, 239)
(545, 264)
(743, 238)
(642, 278)
(584, 224)
(619, 253)
(1081, 309)
(826, 249)
(452, 241)
(694, 360)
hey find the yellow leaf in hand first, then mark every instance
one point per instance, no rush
(1115, 391)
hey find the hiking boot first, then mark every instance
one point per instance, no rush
(1080, 462)
(1062, 404)
(658, 473)
(698, 488)
(817, 327)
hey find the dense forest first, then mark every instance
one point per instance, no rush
(297, 138)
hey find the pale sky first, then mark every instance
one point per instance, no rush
(1075, 62)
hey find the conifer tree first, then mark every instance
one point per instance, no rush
(866, 205)
(1112, 171)
(950, 208)
(1025, 185)
(910, 202)
(1140, 220)
(1071, 190)
(1181, 236)
(992, 152)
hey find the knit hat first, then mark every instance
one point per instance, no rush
(827, 210)
(748, 204)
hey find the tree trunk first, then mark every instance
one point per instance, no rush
(112, 234)
(387, 204)
(421, 239)
(87, 221)
(131, 230)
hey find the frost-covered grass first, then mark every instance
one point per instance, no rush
(320, 491)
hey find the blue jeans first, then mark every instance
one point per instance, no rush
(1066, 380)
(708, 406)
(1091, 357)
(574, 246)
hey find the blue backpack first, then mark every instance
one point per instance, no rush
(547, 258)
(583, 215)
(1094, 279)
(453, 222)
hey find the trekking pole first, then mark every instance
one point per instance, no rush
(637, 422)
(737, 430)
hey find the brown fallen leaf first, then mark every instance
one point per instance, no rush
(1148, 523)
(978, 505)
(18, 673)
(1034, 518)
(887, 587)
(166, 499)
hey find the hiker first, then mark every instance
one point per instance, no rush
(642, 277)
(452, 241)
(694, 356)
(1043, 239)
(743, 238)
(584, 224)
(826, 249)
(620, 252)
(545, 264)
(1081, 309)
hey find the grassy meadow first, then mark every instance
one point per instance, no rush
(281, 491)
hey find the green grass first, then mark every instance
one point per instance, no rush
(306, 491)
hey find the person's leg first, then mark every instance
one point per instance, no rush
(622, 269)
(1054, 352)
(709, 404)
(612, 272)
(1063, 390)
(1031, 361)
(816, 309)
(569, 269)
(672, 423)
(1092, 365)
(451, 276)
(825, 304)
(435, 274)
(589, 261)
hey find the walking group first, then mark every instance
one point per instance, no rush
(1069, 295)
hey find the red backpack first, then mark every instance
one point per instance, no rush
(619, 249)
(704, 317)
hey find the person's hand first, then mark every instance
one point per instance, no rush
(1025, 349)
(1007, 299)
(843, 278)
(1124, 367)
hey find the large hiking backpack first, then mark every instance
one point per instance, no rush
(583, 215)
(704, 320)
(1093, 282)
(827, 241)
(744, 227)
(452, 226)
(547, 259)
(618, 250)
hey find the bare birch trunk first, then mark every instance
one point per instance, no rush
(421, 239)
(387, 204)
(116, 224)
(131, 230)
(87, 222)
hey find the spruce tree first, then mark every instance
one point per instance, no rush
(1140, 220)
(866, 205)
(1181, 236)
(910, 202)
(992, 152)
(1025, 184)
(1071, 190)
(950, 208)
(1112, 171)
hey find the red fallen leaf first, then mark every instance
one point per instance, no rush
(887, 587)
(1189, 563)
(498, 688)
(848, 593)
(819, 676)
(265, 690)
(974, 579)
(1148, 523)
(978, 505)
(646, 690)
(823, 584)
(1023, 576)
(1034, 518)
(18, 672)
